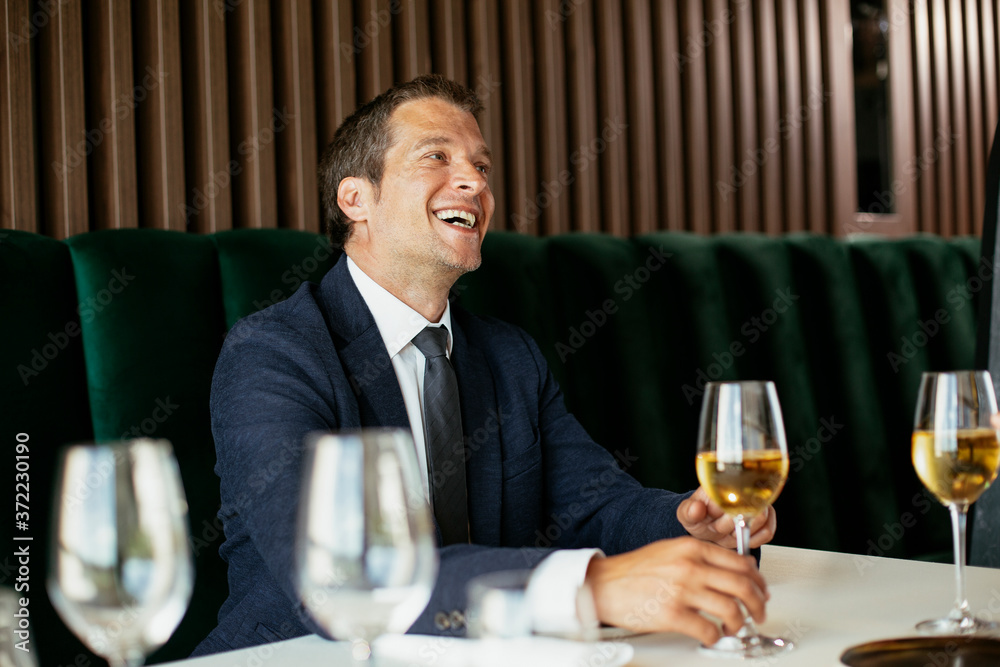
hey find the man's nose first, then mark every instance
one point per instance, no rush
(468, 178)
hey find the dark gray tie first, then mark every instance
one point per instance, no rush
(443, 437)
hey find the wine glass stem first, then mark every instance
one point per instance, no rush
(958, 521)
(749, 628)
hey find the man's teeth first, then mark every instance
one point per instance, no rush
(455, 217)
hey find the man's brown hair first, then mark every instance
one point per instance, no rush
(361, 142)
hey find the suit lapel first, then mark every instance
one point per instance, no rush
(362, 352)
(481, 429)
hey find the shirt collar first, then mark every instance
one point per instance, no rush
(397, 322)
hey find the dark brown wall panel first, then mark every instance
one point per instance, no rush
(976, 144)
(724, 114)
(696, 132)
(768, 153)
(208, 198)
(643, 186)
(924, 170)
(412, 31)
(959, 103)
(295, 98)
(372, 38)
(111, 102)
(553, 157)
(612, 146)
(748, 142)
(17, 122)
(159, 117)
(449, 44)
(519, 112)
(615, 116)
(669, 61)
(254, 120)
(941, 78)
(793, 113)
(842, 153)
(814, 125)
(584, 128)
(486, 79)
(336, 59)
(61, 128)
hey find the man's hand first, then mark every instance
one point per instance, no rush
(663, 586)
(705, 520)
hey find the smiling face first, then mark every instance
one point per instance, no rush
(434, 204)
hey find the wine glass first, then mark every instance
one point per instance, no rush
(366, 558)
(742, 464)
(120, 571)
(955, 454)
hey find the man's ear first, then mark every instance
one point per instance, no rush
(354, 196)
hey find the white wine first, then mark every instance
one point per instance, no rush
(745, 487)
(957, 469)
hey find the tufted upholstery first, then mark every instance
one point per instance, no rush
(115, 333)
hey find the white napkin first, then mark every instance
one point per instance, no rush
(423, 650)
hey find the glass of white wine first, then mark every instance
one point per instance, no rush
(742, 464)
(955, 454)
(120, 570)
(366, 558)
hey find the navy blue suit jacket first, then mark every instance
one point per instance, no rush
(317, 362)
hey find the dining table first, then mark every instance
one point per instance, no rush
(824, 602)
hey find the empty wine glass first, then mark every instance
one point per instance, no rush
(742, 463)
(121, 571)
(366, 558)
(955, 453)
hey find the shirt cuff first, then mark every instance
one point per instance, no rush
(553, 588)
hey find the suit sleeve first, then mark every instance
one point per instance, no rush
(266, 397)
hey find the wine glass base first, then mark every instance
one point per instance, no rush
(967, 625)
(757, 646)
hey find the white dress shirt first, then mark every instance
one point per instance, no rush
(554, 584)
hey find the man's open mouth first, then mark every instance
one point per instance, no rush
(457, 218)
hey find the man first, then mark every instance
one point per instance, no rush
(405, 185)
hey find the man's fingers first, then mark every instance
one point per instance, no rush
(693, 624)
(738, 567)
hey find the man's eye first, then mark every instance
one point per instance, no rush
(484, 169)
(436, 156)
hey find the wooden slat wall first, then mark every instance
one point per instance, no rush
(955, 87)
(17, 160)
(618, 116)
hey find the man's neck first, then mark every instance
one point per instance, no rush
(428, 295)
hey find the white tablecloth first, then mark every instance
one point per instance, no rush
(825, 602)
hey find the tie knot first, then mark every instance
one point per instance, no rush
(432, 341)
